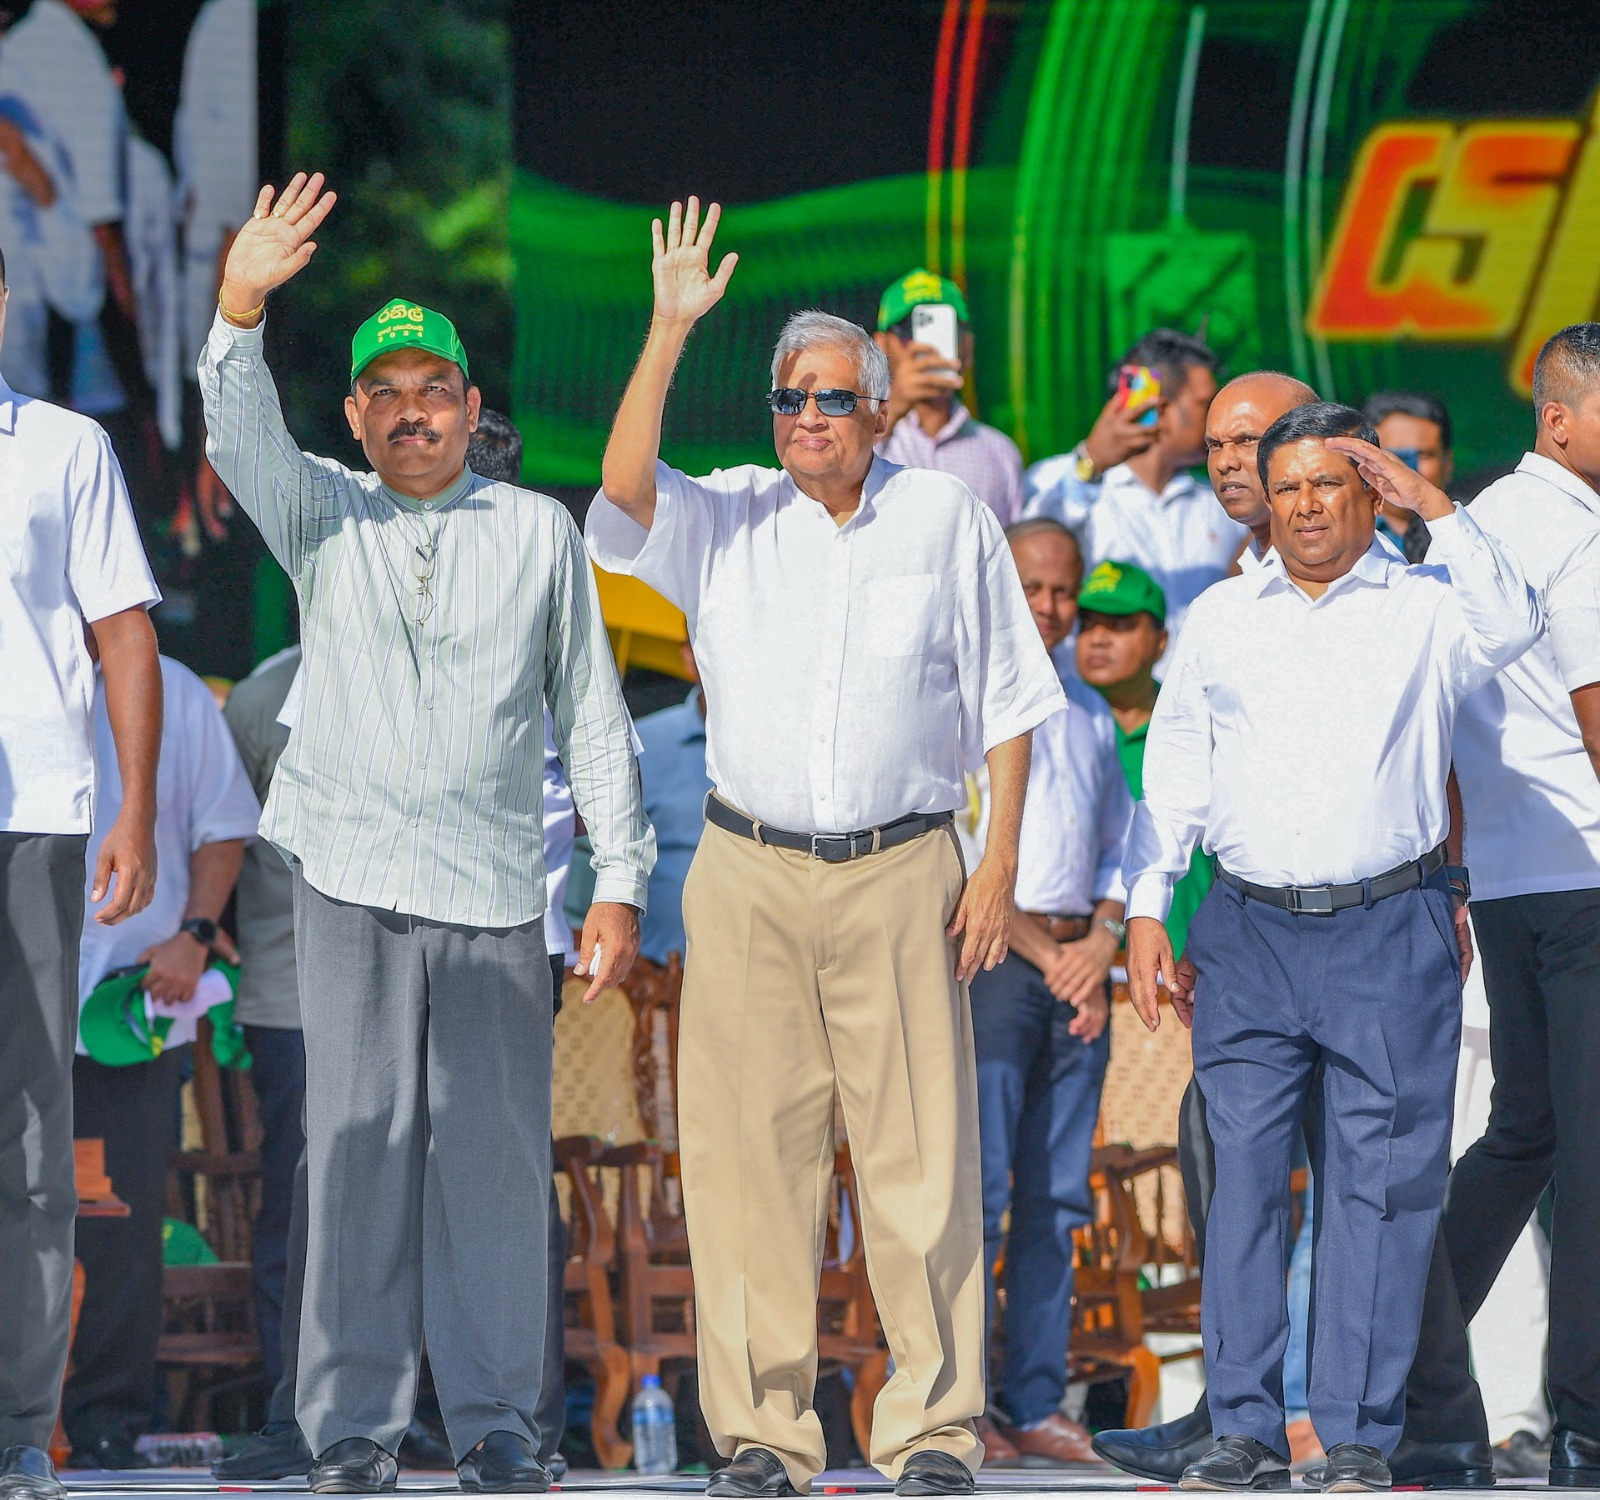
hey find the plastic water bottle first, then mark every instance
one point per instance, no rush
(655, 1429)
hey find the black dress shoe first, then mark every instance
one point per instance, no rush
(932, 1472)
(27, 1474)
(1574, 1460)
(1521, 1456)
(503, 1462)
(1237, 1463)
(356, 1466)
(1159, 1453)
(107, 1453)
(1435, 1466)
(556, 1463)
(276, 1452)
(754, 1471)
(1350, 1467)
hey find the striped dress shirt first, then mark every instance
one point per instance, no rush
(414, 779)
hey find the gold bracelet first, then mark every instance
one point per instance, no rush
(242, 320)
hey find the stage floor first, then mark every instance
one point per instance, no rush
(184, 1484)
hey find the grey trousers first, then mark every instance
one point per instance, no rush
(41, 925)
(428, 1159)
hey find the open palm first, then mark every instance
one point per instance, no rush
(685, 288)
(275, 242)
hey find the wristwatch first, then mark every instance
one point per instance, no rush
(1118, 930)
(202, 929)
(1460, 882)
(1083, 467)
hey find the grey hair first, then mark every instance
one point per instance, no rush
(812, 329)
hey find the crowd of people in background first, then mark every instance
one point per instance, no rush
(1081, 626)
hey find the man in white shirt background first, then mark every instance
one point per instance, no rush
(205, 811)
(1040, 1021)
(69, 552)
(864, 642)
(1331, 902)
(1147, 507)
(1527, 753)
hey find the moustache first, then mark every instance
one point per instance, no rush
(413, 429)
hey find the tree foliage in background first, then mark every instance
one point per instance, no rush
(408, 112)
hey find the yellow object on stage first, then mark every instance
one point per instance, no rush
(645, 630)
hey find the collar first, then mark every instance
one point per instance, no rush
(958, 419)
(1372, 568)
(1547, 469)
(881, 472)
(1180, 487)
(8, 408)
(446, 497)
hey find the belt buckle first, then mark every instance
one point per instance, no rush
(1312, 900)
(819, 839)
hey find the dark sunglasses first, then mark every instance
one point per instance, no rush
(789, 402)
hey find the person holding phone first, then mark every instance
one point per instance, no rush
(1127, 490)
(924, 329)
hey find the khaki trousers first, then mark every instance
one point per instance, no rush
(803, 976)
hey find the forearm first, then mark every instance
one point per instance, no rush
(1008, 764)
(1586, 706)
(1456, 835)
(114, 252)
(213, 872)
(628, 471)
(1030, 940)
(131, 669)
(1502, 614)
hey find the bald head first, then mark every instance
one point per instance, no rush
(1243, 409)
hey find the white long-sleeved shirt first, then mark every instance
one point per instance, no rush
(1280, 738)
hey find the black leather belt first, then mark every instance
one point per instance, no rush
(1323, 900)
(831, 848)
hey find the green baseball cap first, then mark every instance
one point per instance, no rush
(406, 325)
(120, 1027)
(917, 286)
(1119, 588)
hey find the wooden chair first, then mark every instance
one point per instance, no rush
(591, 1332)
(208, 1343)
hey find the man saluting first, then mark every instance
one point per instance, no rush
(863, 639)
(1326, 953)
(440, 613)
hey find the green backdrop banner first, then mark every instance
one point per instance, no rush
(1368, 193)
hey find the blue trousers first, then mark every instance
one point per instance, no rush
(1038, 1098)
(1373, 996)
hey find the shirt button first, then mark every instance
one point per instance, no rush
(427, 505)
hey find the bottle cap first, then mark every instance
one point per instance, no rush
(650, 1381)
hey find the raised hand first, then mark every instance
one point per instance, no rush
(681, 267)
(1394, 479)
(275, 243)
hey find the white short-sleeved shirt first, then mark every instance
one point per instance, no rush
(853, 674)
(1075, 821)
(203, 796)
(1528, 787)
(52, 62)
(69, 552)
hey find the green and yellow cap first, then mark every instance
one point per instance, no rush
(406, 325)
(917, 286)
(120, 1026)
(1119, 588)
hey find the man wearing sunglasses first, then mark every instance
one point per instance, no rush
(864, 640)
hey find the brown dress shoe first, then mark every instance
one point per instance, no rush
(1056, 1442)
(998, 1451)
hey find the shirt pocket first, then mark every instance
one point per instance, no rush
(902, 614)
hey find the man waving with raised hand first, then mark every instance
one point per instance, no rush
(440, 613)
(863, 641)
